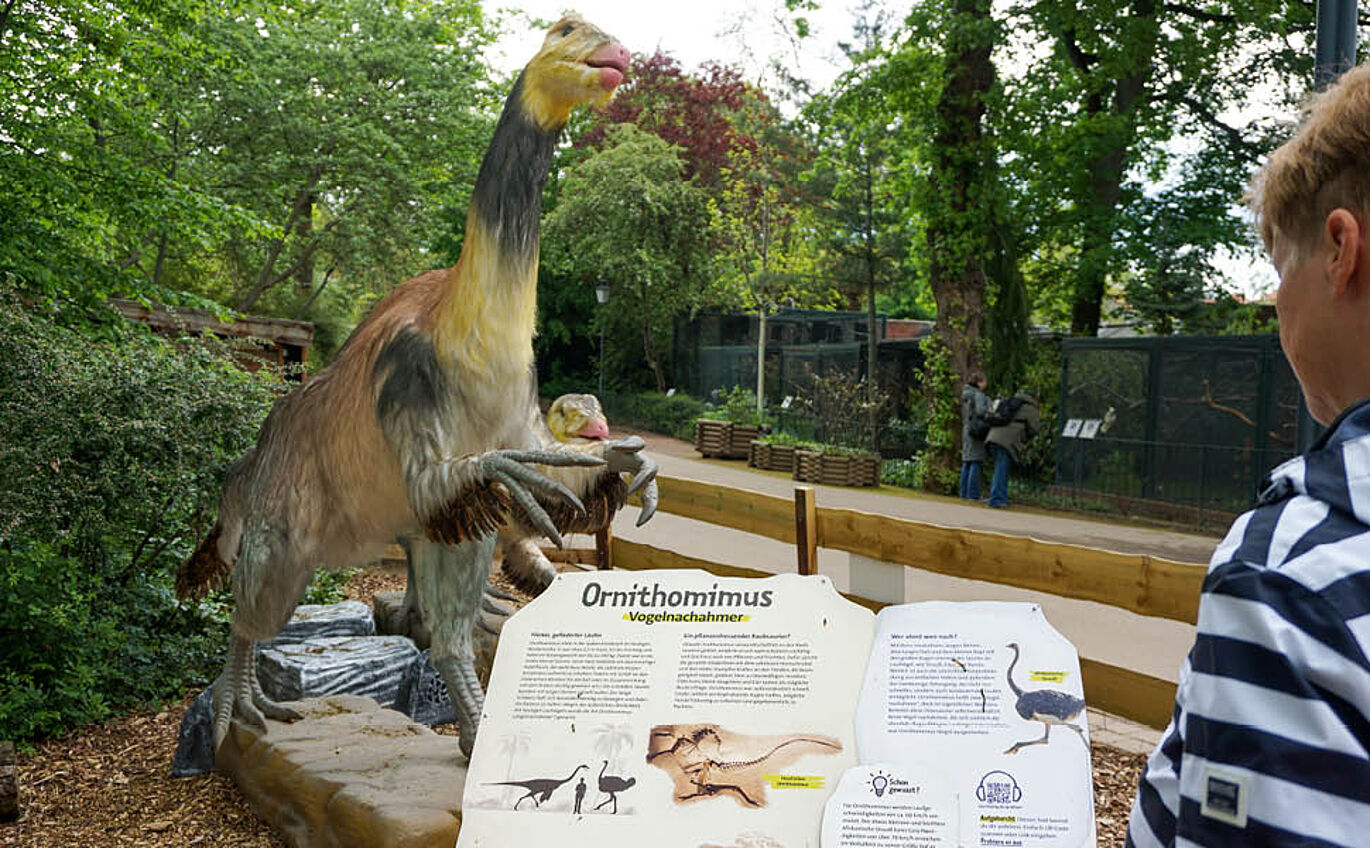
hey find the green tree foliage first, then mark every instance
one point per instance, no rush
(86, 127)
(1104, 127)
(113, 453)
(227, 149)
(863, 147)
(342, 128)
(628, 215)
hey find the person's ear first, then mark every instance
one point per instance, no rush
(1345, 264)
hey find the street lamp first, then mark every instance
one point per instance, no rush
(602, 297)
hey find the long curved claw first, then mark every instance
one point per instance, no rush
(531, 508)
(502, 463)
(627, 455)
(491, 605)
(497, 592)
(649, 502)
(466, 694)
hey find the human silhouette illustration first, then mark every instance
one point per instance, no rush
(580, 794)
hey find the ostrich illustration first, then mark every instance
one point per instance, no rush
(1045, 705)
(541, 788)
(611, 786)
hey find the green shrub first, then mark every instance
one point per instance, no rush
(112, 452)
(900, 472)
(739, 407)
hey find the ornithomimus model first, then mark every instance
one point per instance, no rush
(571, 420)
(423, 427)
(1048, 706)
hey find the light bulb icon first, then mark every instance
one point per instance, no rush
(880, 783)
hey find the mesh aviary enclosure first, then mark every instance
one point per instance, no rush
(1195, 420)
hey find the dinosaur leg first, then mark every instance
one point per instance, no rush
(493, 613)
(525, 563)
(450, 580)
(266, 587)
(1020, 745)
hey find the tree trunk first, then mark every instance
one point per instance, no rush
(958, 231)
(960, 217)
(761, 361)
(304, 277)
(1118, 114)
(653, 361)
(298, 207)
(9, 783)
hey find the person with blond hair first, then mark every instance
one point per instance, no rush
(1269, 743)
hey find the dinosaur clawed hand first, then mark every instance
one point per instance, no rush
(507, 467)
(627, 456)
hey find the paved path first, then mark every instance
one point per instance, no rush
(1150, 645)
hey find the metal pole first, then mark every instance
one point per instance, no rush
(601, 357)
(1336, 41)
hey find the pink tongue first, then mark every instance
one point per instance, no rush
(610, 78)
(596, 429)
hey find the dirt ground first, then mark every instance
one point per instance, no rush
(110, 785)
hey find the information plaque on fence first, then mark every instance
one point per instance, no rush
(671, 708)
(989, 694)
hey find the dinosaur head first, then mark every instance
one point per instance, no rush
(577, 418)
(578, 63)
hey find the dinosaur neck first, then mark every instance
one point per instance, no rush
(602, 769)
(1009, 674)
(573, 774)
(488, 309)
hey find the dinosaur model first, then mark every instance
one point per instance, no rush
(425, 428)
(572, 419)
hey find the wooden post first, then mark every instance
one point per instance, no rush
(9, 783)
(806, 529)
(604, 548)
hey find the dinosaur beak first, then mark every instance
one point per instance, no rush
(595, 428)
(612, 62)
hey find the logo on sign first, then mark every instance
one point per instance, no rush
(998, 787)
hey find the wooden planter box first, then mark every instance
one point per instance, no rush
(723, 439)
(836, 469)
(771, 457)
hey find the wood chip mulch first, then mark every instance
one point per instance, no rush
(110, 786)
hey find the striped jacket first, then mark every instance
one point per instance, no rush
(1269, 743)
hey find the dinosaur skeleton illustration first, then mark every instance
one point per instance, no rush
(706, 761)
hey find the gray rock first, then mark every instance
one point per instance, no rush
(370, 666)
(392, 617)
(317, 621)
(195, 741)
(423, 695)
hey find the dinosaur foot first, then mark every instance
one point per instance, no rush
(493, 612)
(467, 696)
(238, 693)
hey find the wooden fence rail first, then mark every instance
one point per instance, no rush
(1143, 584)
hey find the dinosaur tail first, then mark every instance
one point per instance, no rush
(205, 570)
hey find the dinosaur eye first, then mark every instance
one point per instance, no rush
(567, 30)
